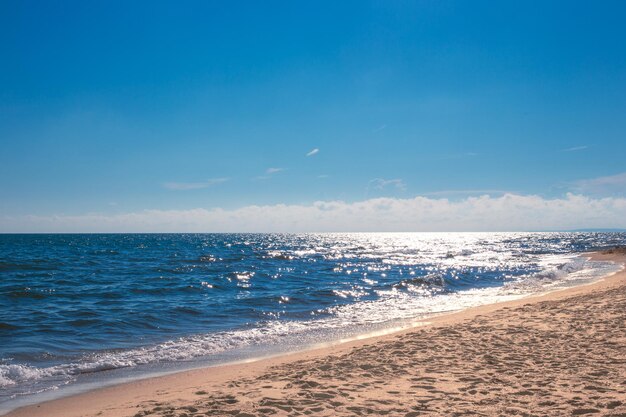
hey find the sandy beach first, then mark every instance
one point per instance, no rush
(559, 354)
(328, 208)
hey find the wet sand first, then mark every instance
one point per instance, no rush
(559, 354)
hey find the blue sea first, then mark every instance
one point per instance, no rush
(79, 311)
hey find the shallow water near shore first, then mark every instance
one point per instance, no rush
(80, 311)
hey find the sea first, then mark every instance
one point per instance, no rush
(81, 311)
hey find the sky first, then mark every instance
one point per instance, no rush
(209, 116)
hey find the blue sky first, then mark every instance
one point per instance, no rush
(117, 108)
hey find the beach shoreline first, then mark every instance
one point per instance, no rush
(347, 379)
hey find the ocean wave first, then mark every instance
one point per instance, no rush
(15, 374)
(7, 326)
(432, 280)
(392, 306)
(181, 349)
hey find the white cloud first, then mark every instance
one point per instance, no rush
(609, 185)
(510, 212)
(381, 184)
(313, 152)
(268, 174)
(576, 148)
(178, 186)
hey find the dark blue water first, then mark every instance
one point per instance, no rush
(74, 305)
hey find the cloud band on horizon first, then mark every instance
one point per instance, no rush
(509, 212)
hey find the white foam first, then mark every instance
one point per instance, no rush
(14, 374)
